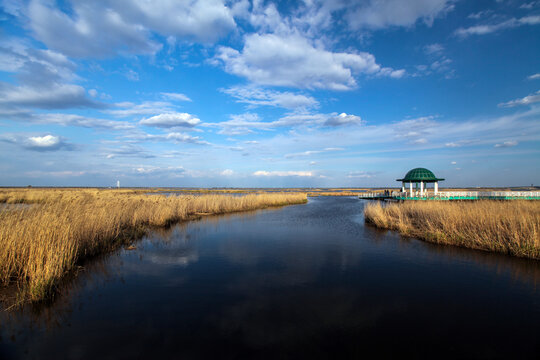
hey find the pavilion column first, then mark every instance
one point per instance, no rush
(410, 186)
(403, 186)
(436, 187)
(421, 188)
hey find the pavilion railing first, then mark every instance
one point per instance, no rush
(445, 195)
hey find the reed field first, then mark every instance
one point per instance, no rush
(45, 240)
(510, 227)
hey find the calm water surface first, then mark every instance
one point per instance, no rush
(300, 281)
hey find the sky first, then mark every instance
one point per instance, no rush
(238, 93)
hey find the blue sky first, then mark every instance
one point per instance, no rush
(258, 93)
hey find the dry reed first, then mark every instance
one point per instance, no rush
(510, 227)
(41, 243)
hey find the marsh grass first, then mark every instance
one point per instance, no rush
(510, 227)
(41, 243)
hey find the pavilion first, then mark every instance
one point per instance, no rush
(420, 176)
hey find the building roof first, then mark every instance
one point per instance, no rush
(420, 174)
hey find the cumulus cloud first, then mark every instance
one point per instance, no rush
(103, 28)
(175, 96)
(44, 79)
(527, 100)
(343, 119)
(491, 28)
(56, 96)
(292, 60)
(534, 76)
(45, 143)
(170, 120)
(257, 96)
(227, 172)
(283, 173)
(377, 14)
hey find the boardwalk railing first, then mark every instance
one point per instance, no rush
(454, 195)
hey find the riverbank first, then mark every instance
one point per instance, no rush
(511, 227)
(41, 243)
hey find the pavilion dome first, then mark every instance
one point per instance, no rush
(420, 174)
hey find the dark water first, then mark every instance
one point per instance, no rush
(297, 282)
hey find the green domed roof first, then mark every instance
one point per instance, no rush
(420, 174)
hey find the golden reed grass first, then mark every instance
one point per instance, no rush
(41, 243)
(510, 227)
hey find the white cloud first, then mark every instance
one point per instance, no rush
(506, 144)
(534, 76)
(131, 75)
(361, 174)
(257, 96)
(240, 124)
(57, 96)
(172, 171)
(491, 28)
(343, 119)
(480, 14)
(292, 60)
(103, 28)
(246, 123)
(313, 152)
(176, 137)
(453, 163)
(176, 96)
(81, 121)
(227, 172)
(44, 78)
(283, 173)
(433, 49)
(530, 5)
(127, 109)
(377, 14)
(169, 120)
(45, 143)
(527, 100)
(420, 141)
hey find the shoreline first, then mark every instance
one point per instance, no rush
(511, 228)
(42, 244)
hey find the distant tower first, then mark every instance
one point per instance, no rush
(118, 184)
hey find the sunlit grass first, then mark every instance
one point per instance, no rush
(510, 227)
(42, 242)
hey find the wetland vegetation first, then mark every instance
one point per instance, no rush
(41, 243)
(510, 227)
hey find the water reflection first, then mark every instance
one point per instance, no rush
(307, 280)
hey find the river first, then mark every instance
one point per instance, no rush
(294, 282)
